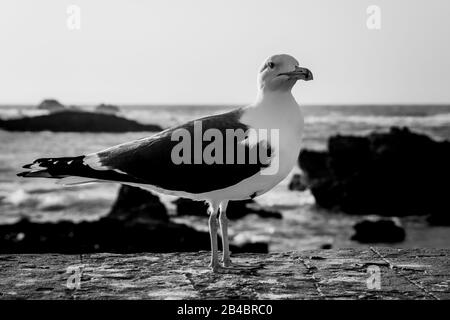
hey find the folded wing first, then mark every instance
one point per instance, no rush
(150, 160)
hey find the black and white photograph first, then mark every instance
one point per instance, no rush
(249, 152)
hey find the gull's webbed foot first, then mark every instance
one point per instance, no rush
(243, 266)
(229, 267)
(214, 267)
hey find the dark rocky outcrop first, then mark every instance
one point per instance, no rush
(396, 173)
(138, 222)
(442, 219)
(134, 204)
(76, 121)
(258, 247)
(107, 108)
(297, 183)
(235, 210)
(104, 235)
(51, 105)
(379, 231)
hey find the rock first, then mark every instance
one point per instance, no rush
(379, 230)
(235, 210)
(108, 235)
(297, 183)
(187, 207)
(256, 247)
(442, 219)
(134, 203)
(343, 274)
(76, 121)
(104, 235)
(51, 105)
(397, 173)
(107, 108)
(137, 222)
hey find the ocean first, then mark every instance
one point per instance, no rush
(304, 226)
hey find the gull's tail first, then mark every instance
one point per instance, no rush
(71, 170)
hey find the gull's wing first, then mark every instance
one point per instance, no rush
(149, 160)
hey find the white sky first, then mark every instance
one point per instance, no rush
(208, 51)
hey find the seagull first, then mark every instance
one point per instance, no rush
(192, 161)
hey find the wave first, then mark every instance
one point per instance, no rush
(52, 200)
(437, 120)
(11, 113)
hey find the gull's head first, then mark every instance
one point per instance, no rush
(280, 73)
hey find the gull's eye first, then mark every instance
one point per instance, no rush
(271, 65)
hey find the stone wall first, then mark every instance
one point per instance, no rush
(371, 273)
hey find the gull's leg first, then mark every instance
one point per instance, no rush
(213, 210)
(224, 230)
(227, 265)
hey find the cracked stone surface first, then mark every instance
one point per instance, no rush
(318, 274)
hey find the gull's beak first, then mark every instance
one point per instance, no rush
(299, 74)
